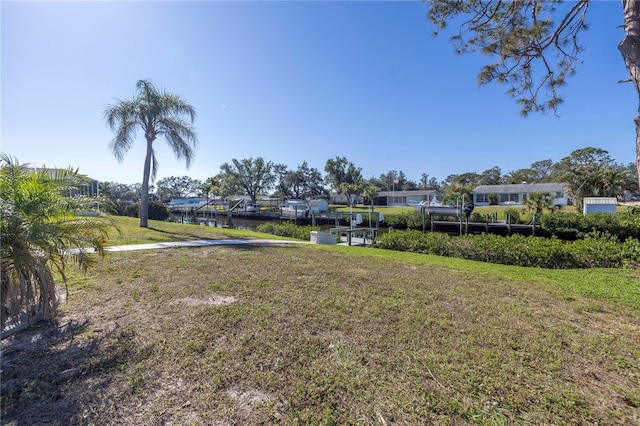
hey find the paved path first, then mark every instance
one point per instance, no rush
(199, 243)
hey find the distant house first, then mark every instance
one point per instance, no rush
(517, 194)
(405, 198)
(318, 206)
(335, 198)
(91, 188)
(191, 202)
(599, 204)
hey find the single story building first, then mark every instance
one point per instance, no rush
(517, 194)
(90, 188)
(406, 198)
(599, 204)
(335, 198)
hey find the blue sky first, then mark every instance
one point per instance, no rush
(291, 82)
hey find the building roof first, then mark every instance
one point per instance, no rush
(600, 200)
(520, 188)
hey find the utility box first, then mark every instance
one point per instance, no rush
(599, 204)
(318, 237)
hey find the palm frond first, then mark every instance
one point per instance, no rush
(123, 118)
(154, 165)
(39, 232)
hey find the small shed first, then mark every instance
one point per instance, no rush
(599, 204)
(317, 206)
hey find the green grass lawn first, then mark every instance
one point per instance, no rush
(126, 230)
(328, 335)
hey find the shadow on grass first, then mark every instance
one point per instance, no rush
(57, 374)
(195, 236)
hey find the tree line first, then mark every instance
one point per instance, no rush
(586, 172)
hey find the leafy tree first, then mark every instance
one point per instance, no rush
(589, 172)
(386, 180)
(157, 113)
(434, 184)
(428, 183)
(118, 192)
(424, 181)
(535, 45)
(248, 176)
(407, 184)
(344, 177)
(157, 210)
(397, 181)
(302, 183)
(630, 177)
(456, 187)
(519, 176)
(39, 234)
(492, 176)
(178, 187)
(211, 186)
(541, 171)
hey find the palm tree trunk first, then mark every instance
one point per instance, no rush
(144, 196)
(630, 49)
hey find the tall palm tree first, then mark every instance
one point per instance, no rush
(39, 234)
(157, 113)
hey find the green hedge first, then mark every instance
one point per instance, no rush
(157, 210)
(594, 251)
(404, 220)
(287, 230)
(572, 226)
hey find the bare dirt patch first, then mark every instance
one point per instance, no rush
(212, 301)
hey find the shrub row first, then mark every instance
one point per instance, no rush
(593, 251)
(157, 210)
(565, 226)
(287, 230)
(571, 226)
(404, 220)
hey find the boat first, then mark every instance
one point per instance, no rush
(250, 208)
(436, 209)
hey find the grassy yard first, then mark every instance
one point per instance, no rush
(327, 335)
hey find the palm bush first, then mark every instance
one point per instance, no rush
(40, 235)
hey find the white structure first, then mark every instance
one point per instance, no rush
(517, 194)
(406, 198)
(599, 204)
(295, 208)
(318, 206)
(191, 202)
(318, 237)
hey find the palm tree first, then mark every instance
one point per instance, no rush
(157, 113)
(40, 233)
(538, 202)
